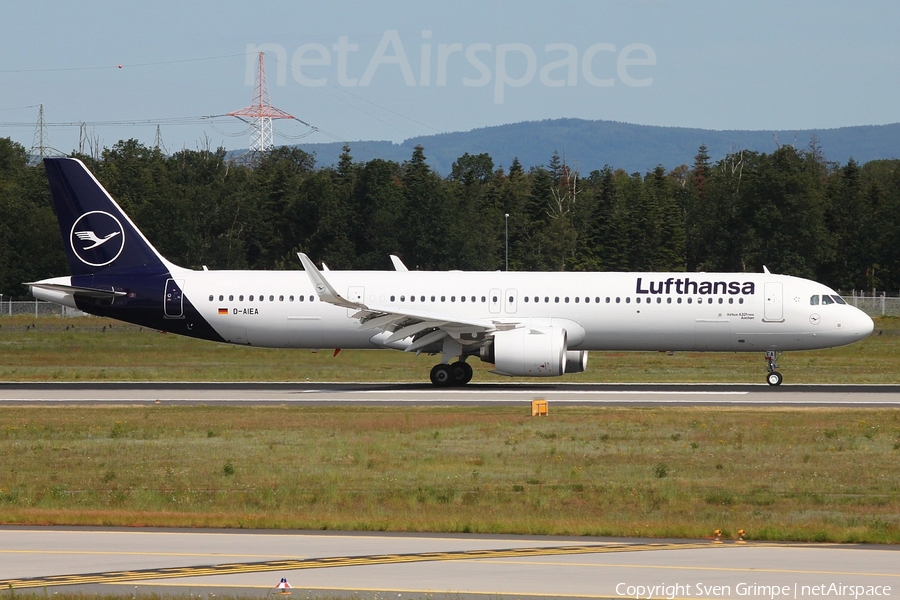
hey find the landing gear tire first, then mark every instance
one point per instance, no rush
(441, 375)
(460, 373)
(444, 375)
(774, 377)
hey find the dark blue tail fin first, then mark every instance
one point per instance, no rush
(97, 234)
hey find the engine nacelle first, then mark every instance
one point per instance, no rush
(576, 361)
(527, 352)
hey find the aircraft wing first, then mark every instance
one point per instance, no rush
(425, 326)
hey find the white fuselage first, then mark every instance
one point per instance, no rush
(601, 311)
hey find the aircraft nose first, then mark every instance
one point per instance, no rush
(860, 325)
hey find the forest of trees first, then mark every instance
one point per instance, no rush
(790, 210)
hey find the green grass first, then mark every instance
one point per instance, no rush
(87, 349)
(780, 474)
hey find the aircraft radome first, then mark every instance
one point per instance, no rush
(524, 323)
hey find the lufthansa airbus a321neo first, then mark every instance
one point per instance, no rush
(525, 324)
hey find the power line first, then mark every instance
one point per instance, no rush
(21, 107)
(195, 120)
(121, 66)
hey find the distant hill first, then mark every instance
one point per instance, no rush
(589, 145)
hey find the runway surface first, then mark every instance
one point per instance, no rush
(404, 565)
(882, 396)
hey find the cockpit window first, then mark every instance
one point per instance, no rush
(827, 299)
(814, 300)
(838, 299)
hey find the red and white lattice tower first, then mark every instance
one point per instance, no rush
(260, 114)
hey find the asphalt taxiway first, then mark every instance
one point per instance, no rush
(882, 396)
(417, 565)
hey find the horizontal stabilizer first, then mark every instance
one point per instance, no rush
(76, 290)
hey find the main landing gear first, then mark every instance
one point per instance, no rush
(454, 374)
(774, 377)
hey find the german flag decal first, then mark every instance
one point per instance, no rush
(223, 311)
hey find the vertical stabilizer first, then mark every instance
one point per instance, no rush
(97, 234)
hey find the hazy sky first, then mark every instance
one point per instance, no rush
(393, 70)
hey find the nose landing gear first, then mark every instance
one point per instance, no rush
(774, 377)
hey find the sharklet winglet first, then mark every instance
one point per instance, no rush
(324, 289)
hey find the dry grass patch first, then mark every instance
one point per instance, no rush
(778, 473)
